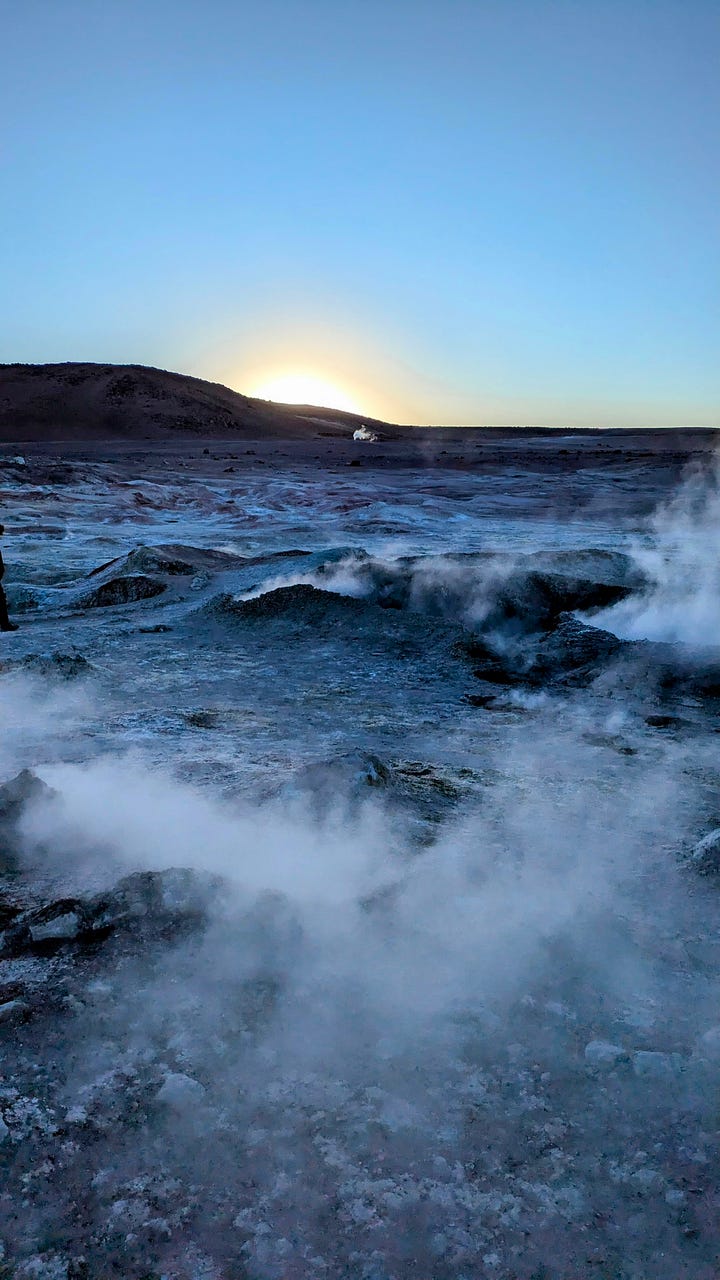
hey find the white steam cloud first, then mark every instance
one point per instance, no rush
(548, 851)
(681, 561)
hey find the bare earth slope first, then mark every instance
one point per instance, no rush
(102, 401)
(46, 403)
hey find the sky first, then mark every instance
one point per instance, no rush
(458, 211)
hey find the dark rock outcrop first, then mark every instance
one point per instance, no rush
(501, 594)
(303, 604)
(574, 653)
(67, 666)
(15, 795)
(303, 615)
(666, 722)
(124, 590)
(345, 777)
(145, 560)
(302, 608)
(149, 904)
(170, 559)
(425, 791)
(593, 564)
(571, 654)
(530, 602)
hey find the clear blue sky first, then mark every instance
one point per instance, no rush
(458, 211)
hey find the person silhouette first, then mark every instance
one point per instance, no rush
(5, 623)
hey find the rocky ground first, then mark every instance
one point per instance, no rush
(359, 852)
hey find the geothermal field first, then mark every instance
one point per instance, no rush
(360, 858)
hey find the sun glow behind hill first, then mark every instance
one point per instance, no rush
(305, 388)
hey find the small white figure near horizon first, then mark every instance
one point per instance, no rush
(364, 433)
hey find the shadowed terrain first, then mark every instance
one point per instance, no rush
(131, 402)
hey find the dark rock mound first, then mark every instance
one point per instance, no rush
(125, 590)
(671, 673)
(495, 668)
(680, 671)
(44, 928)
(145, 560)
(378, 582)
(18, 792)
(15, 795)
(665, 721)
(572, 654)
(302, 613)
(267, 557)
(423, 789)
(297, 606)
(68, 666)
(529, 602)
(575, 654)
(611, 568)
(344, 777)
(486, 591)
(431, 790)
(173, 560)
(160, 895)
(302, 603)
(150, 904)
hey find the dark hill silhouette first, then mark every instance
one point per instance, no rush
(93, 403)
(106, 401)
